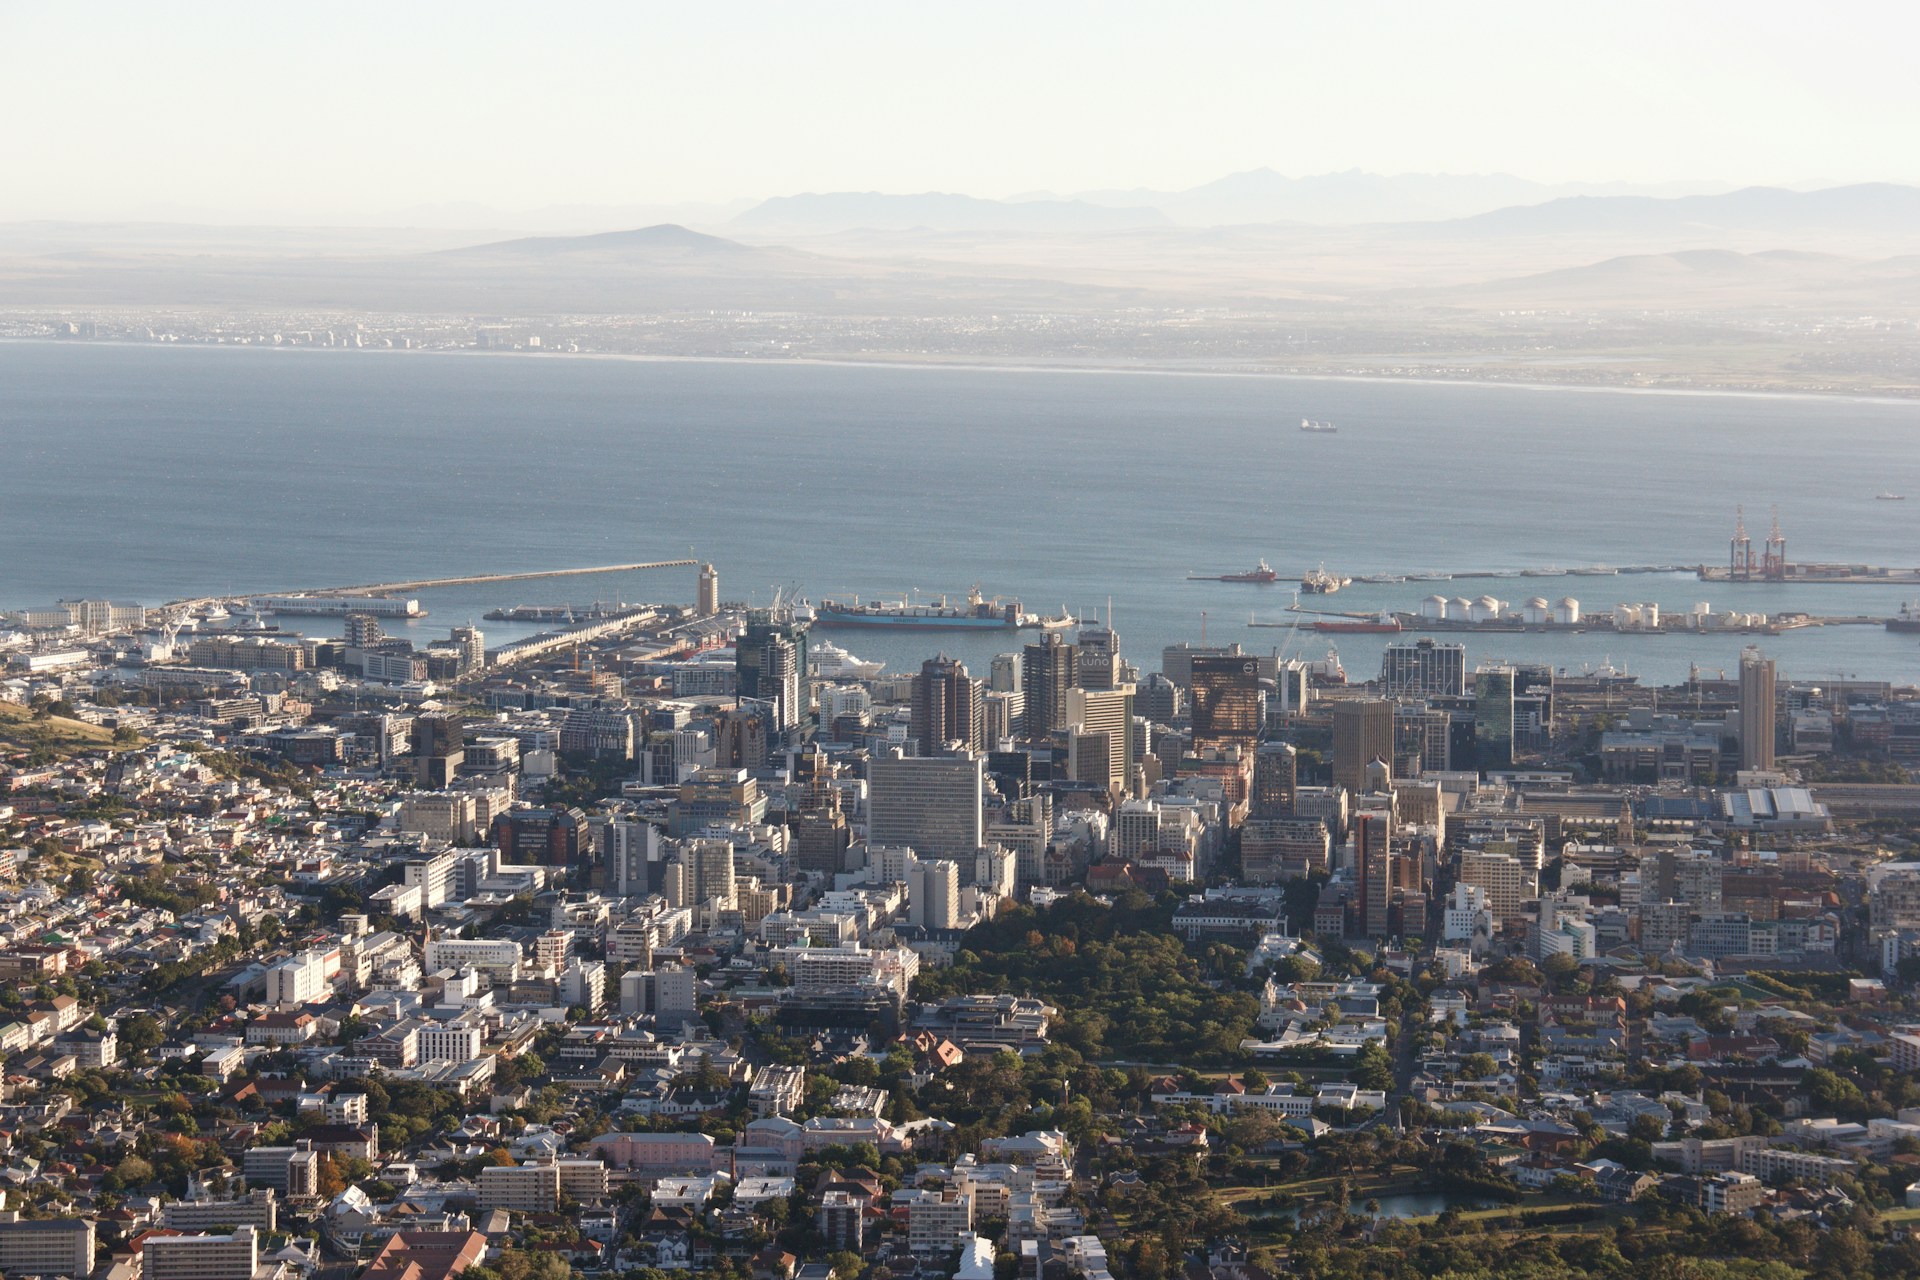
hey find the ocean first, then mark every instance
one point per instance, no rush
(153, 473)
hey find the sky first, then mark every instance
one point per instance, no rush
(346, 110)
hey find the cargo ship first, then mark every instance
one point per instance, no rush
(1318, 428)
(1907, 620)
(1262, 573)
(977, 614)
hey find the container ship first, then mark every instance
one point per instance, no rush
(977, 614)
(1261, 573)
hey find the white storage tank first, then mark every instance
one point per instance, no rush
(1460, 609)
(1627, 617)
(1534, 611)
(1650, 613)
(1485, 609)
(1567, 610)
(1434, 607)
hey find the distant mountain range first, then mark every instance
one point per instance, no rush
(1354, 197)
(831, 212)
(1873, 208)
(1702, 278)
(665, 238)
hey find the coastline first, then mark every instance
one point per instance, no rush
(969, 365)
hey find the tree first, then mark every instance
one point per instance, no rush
(1373, 1067)
(1559, 967)
(1477, 1066)
(141, 1033)
(327, 1181)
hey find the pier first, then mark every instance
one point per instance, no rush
(422, 584)
(312, 600)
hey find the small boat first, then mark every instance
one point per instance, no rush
(1889, 497)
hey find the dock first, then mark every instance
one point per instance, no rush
(423, 584)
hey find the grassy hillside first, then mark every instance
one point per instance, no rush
(20, 729)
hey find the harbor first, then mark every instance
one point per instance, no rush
(1489, 616)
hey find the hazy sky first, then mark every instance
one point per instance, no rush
(338, 109)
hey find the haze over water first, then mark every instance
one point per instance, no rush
(154, 473)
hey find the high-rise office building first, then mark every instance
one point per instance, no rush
(1005, 674)
(1226, 701)
(1493, 717)
(1424, 668)
(630, 851)
(947, 708)
(770, 665)
(1373, 864)
(821, 835)
(1362, 733)
(1108, 715)
(1158, 699)
(439, 749)
(1099, 657)
(1047, 670)
(1757, 710)
(707, 594)
(1276, 778)
(709, 871)
(932, 803)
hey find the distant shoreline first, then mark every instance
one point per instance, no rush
(975, 365)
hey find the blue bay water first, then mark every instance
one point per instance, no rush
(153, 473)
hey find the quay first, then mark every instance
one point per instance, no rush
(422, 584)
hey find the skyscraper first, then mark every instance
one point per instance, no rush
(1493, 717)
(1424, 669)
(1276, 777)
(1373, 859)
(1756, 710)
(947, 710)
(770, 664)
(1107, 714)
(821, 835)
(1362, 733)
(1226, 701)
(930, 803)
(1099, 657)
(1047, 671)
